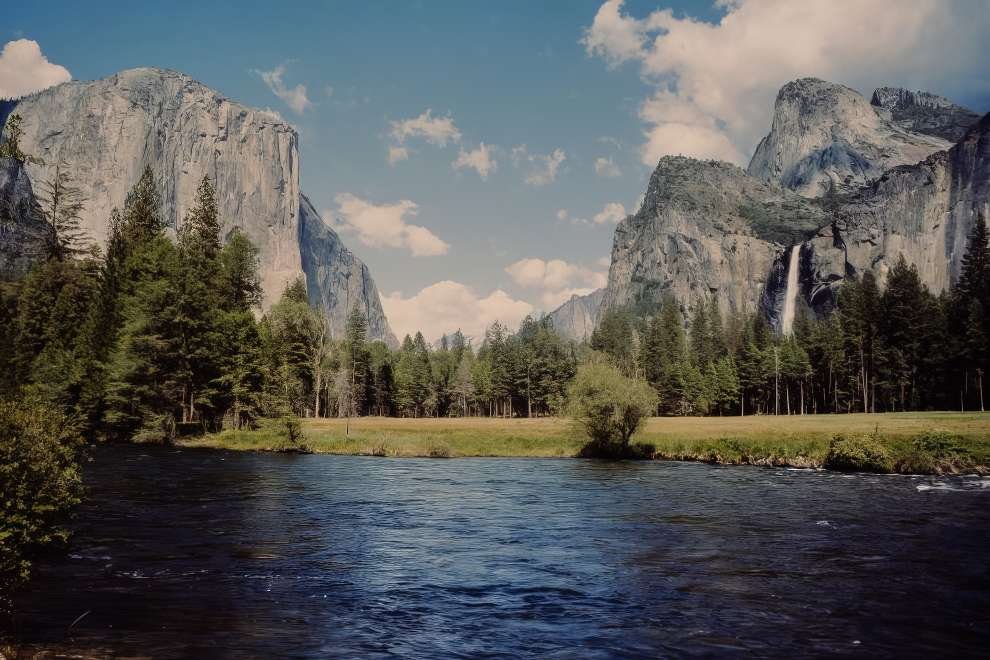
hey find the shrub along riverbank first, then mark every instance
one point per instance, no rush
(942, 442)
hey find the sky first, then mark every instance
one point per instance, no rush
(478, 155)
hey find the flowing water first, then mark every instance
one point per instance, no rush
(182, 553)
(790, 294)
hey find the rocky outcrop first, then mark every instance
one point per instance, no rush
(21, 232)
(924, 112)
(109, 130)
(336, 280)
(576, 319)
(827, 136)
(709, 229)
(924, 212)
(705, 229)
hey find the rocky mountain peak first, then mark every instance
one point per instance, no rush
(109, 130)
(825, 136)
(924, 112)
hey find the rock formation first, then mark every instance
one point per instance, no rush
(576, 319)
(336, 280)
(825, 135)
(924, 112)
(109, 130)
(21, 233)
(709, 229)
(705, 229)
(924, 212)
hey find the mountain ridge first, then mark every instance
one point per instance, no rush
(109, 129)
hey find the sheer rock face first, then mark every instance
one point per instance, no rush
(576, 319)
(336, 280)
(21, 233)
(705, 229)
(109, 130)
(824, 134)
(923, 211)
(924, 112)
(710, 229)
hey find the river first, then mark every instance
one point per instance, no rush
(180, 553)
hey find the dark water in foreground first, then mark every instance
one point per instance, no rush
(219, 554)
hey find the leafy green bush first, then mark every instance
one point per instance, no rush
(609, 407)
(935, 452)
(856, 453)
(39, 484)
(439, 451)
(291, 436)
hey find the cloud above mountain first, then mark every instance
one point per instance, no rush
(24, 69)
(437, 131)
(386, 225)
(294, 97)
(447, 306)
(713, 84)
(556, 280)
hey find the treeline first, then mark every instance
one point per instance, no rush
(157, 336)
(898, 349)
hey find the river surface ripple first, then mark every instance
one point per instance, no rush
(180, 553)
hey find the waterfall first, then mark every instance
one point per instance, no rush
(790, 294)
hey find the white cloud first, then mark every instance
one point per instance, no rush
(25, 70)
(481, 160)
(715, 83)
(384, 225)
(613, 212)
(446, 306)
(556, 280)
(562, 214)
(295, 97)
(397, 154)
(542, 167)
(437, 131)
(606, 168)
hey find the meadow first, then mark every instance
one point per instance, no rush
(795, 440)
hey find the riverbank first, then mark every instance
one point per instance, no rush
(795, 441)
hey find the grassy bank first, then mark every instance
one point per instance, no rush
(798, 441)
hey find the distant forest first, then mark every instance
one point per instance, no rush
(151, 337)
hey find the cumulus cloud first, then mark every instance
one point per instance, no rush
(542, 167)
(481, 160)
(25, 70)
(446, 306)
(437, 131)
(385, 225)
(606, 168)
(612, 213)
(714, 84)
(294, 97)
(397, 154)
(556, 280)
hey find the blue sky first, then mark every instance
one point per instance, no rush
(588, 81)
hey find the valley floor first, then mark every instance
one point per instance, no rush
(796, 440)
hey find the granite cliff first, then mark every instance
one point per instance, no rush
(576, 319)
(826, 135)
(108, 130)
(843, 185)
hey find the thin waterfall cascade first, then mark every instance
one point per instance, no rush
(790, 294)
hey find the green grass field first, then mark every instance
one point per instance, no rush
(799, 441)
